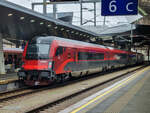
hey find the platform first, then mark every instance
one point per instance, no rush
(130, 95)
(7, 78)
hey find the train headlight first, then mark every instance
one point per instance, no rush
(50, 65)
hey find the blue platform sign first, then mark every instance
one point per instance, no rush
(119, 7)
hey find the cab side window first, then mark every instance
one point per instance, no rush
(59, 51)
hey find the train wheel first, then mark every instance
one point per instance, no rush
(66, 77)
(112, 68)
(104, 69)
(63, 77)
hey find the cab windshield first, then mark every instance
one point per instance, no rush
(37, 51)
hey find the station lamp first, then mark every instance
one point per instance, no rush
(49, 25)
(41, 23)
(22, 18)
(55, 27)
(10, 14)
(62, 29)
(32, 21)
(77, 33)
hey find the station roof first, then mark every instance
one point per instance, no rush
(17, 22)
(116, 30)
(20, 23)
(141, 35)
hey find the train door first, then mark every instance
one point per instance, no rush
(64, 56)
(71, 59)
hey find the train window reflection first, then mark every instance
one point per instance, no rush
(90, 56)
(38, 51)
(59, 51)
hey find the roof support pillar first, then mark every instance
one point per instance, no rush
(54, 10)
(104, 22)
(131, 35)
(2, 66)
(148, 53)
(32, 6)
(44, 7)
(81, 13)
(94, 13)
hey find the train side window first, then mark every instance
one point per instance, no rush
(122, 56)
(101, 56)
(59, 51)
(82, 56)
(90, 56)
(95, 56)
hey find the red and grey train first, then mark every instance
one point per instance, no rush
(52, 59)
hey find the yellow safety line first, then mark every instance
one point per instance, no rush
(111, 90)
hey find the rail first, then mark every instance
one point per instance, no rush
(61, 100)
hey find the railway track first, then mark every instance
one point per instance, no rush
(18, 94)
(62, 100)
(8, 95)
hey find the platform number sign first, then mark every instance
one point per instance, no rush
(119, 7)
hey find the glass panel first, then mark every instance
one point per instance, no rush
(90, 56)
(38, 51)
(59, 51)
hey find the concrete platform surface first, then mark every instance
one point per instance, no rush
(130, 95)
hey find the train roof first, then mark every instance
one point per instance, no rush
(49, 39)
